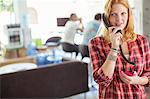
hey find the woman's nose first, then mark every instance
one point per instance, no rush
(119, 19)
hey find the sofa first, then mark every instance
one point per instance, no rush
(50, 81)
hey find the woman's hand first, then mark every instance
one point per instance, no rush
(115, 37)
(133, 79)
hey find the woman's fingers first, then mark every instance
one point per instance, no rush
(125, 78)
(113, 33)
(118, 36)
(114, 30)
(135, 73)
(115, 37)
(111, 29)
(125, 75)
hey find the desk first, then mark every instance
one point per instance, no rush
(11, 68)
(32, 59)
(49, 55)
(27, 59)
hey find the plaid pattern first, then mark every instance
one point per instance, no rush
(114, 88)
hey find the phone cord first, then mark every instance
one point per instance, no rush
(125, 57)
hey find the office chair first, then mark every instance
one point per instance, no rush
(83, 49)
(55, 39)
(68, 47)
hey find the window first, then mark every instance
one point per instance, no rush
(6, 15)
(6, 5)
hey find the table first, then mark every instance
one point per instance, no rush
(15, 67)
(49, 55)
(27, 59)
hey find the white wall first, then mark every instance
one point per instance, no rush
(49, 10)
(146, 18)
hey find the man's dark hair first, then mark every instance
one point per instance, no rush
(72, 14)
(98, 16)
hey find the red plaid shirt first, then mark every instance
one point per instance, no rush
(114, 88)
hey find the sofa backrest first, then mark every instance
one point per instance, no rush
(54, 81)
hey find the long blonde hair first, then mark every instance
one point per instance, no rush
(129, 29)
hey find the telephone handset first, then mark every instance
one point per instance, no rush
(107, 25)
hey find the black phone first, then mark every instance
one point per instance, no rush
(107, 24)
(105, 20)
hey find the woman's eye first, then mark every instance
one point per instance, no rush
(123, 13)
(113, 14)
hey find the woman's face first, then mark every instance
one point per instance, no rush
(118, 16)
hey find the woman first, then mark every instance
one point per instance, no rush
(109, 67)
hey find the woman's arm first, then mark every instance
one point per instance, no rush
(133, 79)
(146, 55)
(98, 57)
(109, 65)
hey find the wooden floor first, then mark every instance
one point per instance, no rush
(93, 94)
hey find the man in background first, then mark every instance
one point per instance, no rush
(71, 28)
(91, 29)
